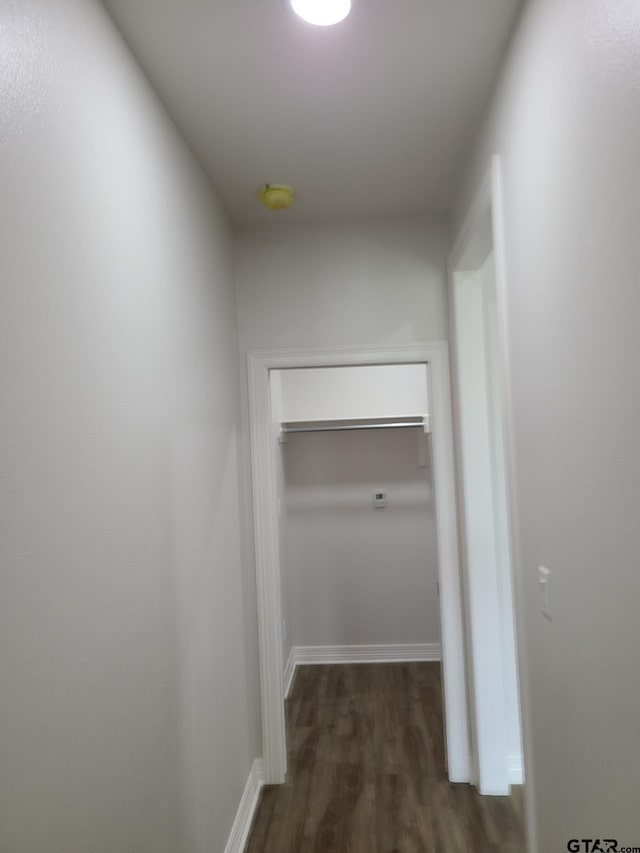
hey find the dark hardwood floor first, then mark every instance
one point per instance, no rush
(366, 771)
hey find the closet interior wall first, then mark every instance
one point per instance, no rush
(360, 575)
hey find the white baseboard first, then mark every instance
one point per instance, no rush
(401, 652)
(397, 652)
(380, 653)
(246, 810)
(289, 673)
(515, 772)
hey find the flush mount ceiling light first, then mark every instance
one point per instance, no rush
(322, 13)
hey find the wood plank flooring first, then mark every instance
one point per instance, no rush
(366, 771)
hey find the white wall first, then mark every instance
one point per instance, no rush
(123, 712)
(566, 120)
(363, 282)
(360, 575)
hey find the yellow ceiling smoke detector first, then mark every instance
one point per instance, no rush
(276, 196)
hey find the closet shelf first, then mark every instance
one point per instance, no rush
(406, 422)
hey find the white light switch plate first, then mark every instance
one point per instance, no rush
(544, 579)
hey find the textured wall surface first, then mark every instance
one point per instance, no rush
(566, 120)
(363, 282)
(123, 717)
(360, 575)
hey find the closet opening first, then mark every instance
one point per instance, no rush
(358, 557)
(355, 521)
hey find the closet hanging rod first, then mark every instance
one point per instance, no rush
(341, 427)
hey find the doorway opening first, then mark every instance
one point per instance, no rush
(359, 564)
(265, 432)
(477, 304)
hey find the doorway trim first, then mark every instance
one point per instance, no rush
(263, 435)
(488, 201)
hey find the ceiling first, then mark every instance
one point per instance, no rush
(374, 116)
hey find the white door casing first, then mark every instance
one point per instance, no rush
(267, 549)
(483, 232)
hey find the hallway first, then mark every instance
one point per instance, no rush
(144, 283)
(366, 771)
